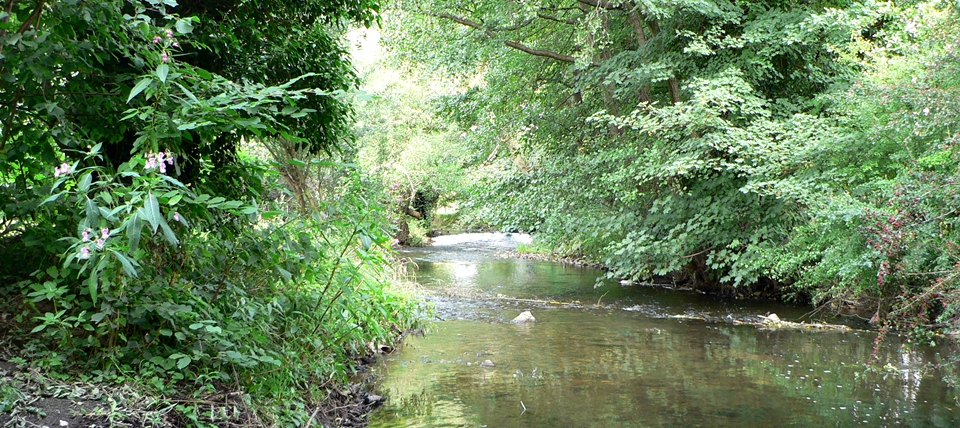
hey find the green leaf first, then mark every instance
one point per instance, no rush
(184, 26)
(128, 265)
(139, 87)
(188, 93)
(172, 181)
(266, 215)
(162, 71)
(183, 362)
(168, 233)
(93, 212)
(53, 198)
(151, 212)
(92, 287)
(85, 182)
(230, 205)
(175, 199)
(134, 225)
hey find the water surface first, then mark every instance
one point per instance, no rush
(637, 356)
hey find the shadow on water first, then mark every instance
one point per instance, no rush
(625, 362)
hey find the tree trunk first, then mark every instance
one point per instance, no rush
(637, 24)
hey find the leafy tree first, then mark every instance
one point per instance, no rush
(798, 148)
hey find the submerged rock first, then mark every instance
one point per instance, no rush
(524, 317)
(486, 363)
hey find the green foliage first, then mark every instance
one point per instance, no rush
(416, 155)
(418, 234)
(151, 244)
(809, 146)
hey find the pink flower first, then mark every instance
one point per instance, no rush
(169, 33)
(156, 39)
(86, 235)
(63, 169)
(84, 253)
(100, 244)
(158, 160)
(164, 57)
(105, 233)
(176, 45)
(176, 216)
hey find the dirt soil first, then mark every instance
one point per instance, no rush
(29, 399)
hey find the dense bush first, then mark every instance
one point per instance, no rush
(175, 219)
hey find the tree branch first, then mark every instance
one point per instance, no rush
(35, 16)
(467, 22)
(556, 19)
(601, 4)
(539, 52)
(510, 43)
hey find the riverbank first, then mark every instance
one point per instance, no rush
(35, 397)
(760, 290)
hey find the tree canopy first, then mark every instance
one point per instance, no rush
(791, 148)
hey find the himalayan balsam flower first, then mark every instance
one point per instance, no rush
(100, 243)
(176, 45)
(63, 169)
(176, 216)
(156, 39)
(86, 235)
(164, 57)
(105, 233)
(158, 160)
(169, 33)
(84, 253)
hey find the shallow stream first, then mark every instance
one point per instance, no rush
(632, 356)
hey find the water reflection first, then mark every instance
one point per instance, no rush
(604, 366)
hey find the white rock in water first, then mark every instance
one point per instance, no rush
(486, 363)
(772, 318)
(524, 317)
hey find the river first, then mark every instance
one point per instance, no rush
(632, 356)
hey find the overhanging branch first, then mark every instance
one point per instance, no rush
(539, 52)
(601, 4)
(510, 43)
